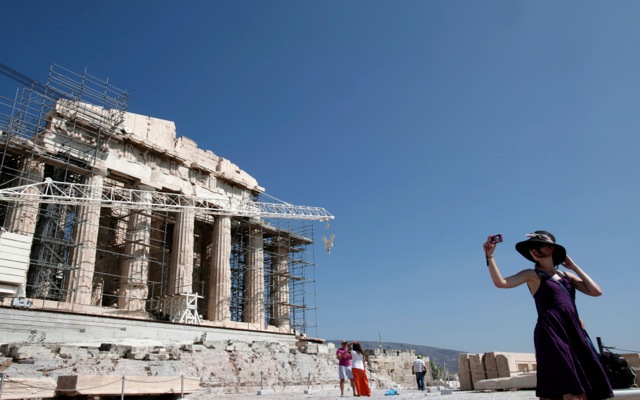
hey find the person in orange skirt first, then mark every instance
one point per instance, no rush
(358, 360)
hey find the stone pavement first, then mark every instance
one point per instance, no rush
(377, 394)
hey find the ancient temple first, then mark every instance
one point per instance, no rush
(107, 212)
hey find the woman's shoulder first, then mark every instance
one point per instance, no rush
(528, 273)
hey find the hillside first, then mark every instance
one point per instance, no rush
(435, 354)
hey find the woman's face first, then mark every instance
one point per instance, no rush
(541, 251)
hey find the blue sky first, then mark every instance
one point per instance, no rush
(423, 126)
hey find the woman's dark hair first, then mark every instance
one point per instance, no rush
(357, 348)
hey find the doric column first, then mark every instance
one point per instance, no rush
(22, 216)
(181, 264)
(253, 304)
(83, 259)
(135, 267)
(280, 286)
(219, 296)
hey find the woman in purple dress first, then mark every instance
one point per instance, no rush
(568, 366)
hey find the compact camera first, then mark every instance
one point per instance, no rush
(496, 239)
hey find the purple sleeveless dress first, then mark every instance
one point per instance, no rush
(567, 362)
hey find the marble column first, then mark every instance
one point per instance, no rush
(253, 302)
(280, 286)
(22, 216)
(135, 268)
(181, 263)
(79, 286)
(219, 296)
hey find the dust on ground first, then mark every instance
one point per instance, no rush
(376, 394)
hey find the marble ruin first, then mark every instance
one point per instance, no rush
(107, 212)
(473, 369)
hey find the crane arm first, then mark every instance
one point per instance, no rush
(67, 193)
(29, 82)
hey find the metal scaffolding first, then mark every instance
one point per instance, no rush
(288, 255)
(53, 135)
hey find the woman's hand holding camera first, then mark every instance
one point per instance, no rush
(490, 244)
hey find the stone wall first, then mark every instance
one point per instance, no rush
(220, 366)
(391, 368)
(39, 344)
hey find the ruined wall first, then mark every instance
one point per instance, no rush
(224, 360)
(473, 368)
(149, 150)
(393, 367)
(146, 244)
(220, 366)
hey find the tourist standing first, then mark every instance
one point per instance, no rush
(359, 360)
(344, 367)
(419, 369)
(568, 366)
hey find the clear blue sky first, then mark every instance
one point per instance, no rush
(423, 126)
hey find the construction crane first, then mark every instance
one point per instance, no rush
(88, 238)
(67, 193)
(52, 192)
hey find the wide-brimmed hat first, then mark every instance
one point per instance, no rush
(541, 237)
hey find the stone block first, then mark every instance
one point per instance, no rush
(490, 365)
(260, 347)
(137, 355)
(156, 357)
(91, 385)
(527, 381)
(514, 363)
(311, 348)
(30, 351)
(464, 372)
(73, 352)
(323, 349)
(477, 368)
(28, 388)
(627, 394)
(214, 344)
(120, 350)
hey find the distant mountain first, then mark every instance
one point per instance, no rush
(435, 354)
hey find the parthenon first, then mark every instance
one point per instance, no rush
(108, 212)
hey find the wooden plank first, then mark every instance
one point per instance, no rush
(87, 385)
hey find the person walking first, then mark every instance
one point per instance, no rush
(360, 379)
(568, 366)
(344, 367)
(419, 369)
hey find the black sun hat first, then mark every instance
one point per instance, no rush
(541, 237)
